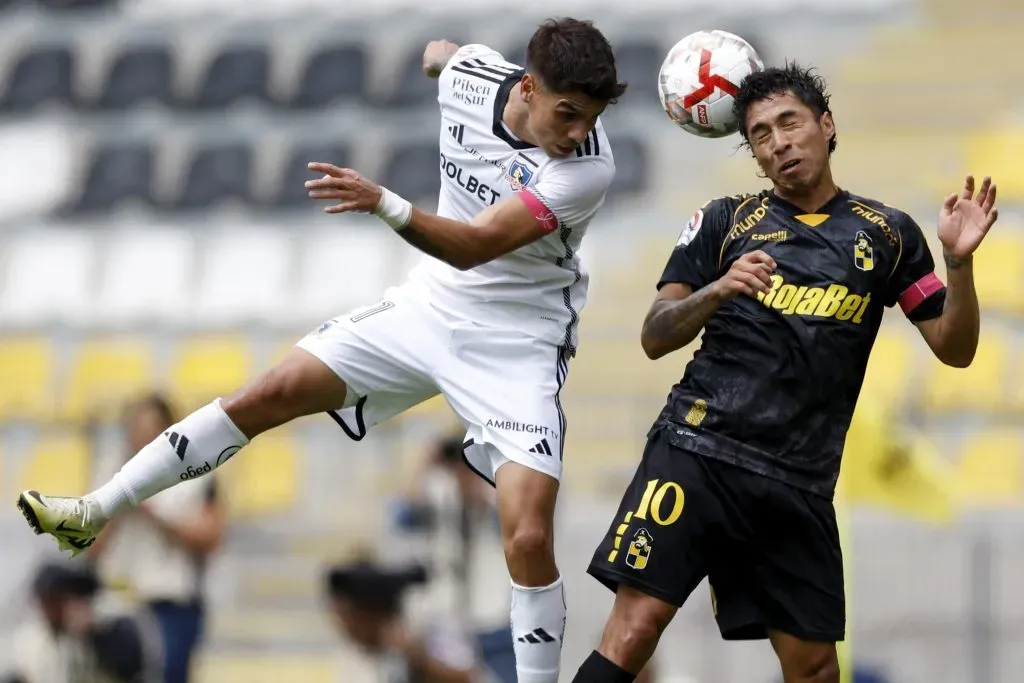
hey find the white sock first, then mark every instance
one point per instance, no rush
(197, 445)
(538, 626)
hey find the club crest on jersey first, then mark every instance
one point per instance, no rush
(690, 230)
(639, 549)
(863, 251)
(519, 175)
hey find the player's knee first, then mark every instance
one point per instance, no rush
(529, 541)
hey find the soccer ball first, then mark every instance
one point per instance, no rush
(699, 77)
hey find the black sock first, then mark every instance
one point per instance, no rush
(598, 669)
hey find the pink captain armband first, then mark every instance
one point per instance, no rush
(545, 218)
(914, 295)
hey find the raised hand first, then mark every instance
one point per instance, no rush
(965, 219)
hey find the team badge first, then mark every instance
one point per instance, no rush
(863, 251)
(639, 549)
(519, 175)
(690, 230)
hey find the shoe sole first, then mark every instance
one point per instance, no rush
(29, 514)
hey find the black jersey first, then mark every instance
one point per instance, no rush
(776, 379)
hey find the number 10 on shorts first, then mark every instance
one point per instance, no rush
(653, 504)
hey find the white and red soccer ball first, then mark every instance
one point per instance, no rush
(699, 78)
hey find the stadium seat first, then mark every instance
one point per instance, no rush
(244, 276)
(208, 367)
(341, 269)
(632, 166)
(49, 272)
(332, 74)
(26, 378)
(411, 87)
(104, 374)
(59, 463)
(291, 192)
(637, 64)
(76, 5)
(235, 75)
(215, 174)
(998, 265)
(148, 278)
(411, 170)
(139, 74)
(891, 367)
(265, 480)
(267, 667)
(114, 174)
(990, 471)
(978, 388)
(40, 75)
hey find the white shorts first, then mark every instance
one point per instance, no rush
(502, 384)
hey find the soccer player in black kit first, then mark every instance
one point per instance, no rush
(737, 478)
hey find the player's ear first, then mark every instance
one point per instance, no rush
(528, 88)
(828, 126)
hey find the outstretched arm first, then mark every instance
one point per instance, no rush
(436, 56)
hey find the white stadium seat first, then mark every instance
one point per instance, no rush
(343, 267)
(47, 277)
(244, 276)
(148, 276)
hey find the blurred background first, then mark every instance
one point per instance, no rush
(155, 236)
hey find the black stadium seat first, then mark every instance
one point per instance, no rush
(214, 174)
(139, 74)
(632, 166)
(290, 191)
(332, 74)
(638, 63)
(76, 5)
(116, 173)
(411, 87)
(40, 75)
(234, 75)
(412, 171)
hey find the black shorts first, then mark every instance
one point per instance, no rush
(770, 551)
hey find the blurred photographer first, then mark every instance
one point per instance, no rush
(367, 606)
(70, 638)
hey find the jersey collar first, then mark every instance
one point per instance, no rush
(839, 197)
(500, 100)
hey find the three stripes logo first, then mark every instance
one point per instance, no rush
(542, 448)
(537, 637)
(179, 442)
(457, 131)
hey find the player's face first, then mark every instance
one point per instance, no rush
(363, 627)
(559, 122)
(789, 141)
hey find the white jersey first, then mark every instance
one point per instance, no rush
(540, 288)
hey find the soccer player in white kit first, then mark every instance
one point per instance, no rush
(488, 319)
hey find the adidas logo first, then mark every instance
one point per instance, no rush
(538, 636)
(542, 448)
(179, 442)
(457, 131)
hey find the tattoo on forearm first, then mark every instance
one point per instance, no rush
(422, 242)
(953, 263)
(677, 323)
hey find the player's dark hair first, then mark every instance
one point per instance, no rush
(373, 588)
(571, 56)
(159, 403)
(806, 86)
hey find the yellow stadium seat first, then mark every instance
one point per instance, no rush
(104, 374)
(59, 464)
(980, 387)
(998, 152)
(264, 477)
(890, 367)
(26, 378)
(207, 367)
(990, 468)
(266, 667)
(999, 271)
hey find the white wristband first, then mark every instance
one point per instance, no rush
(393, 209)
